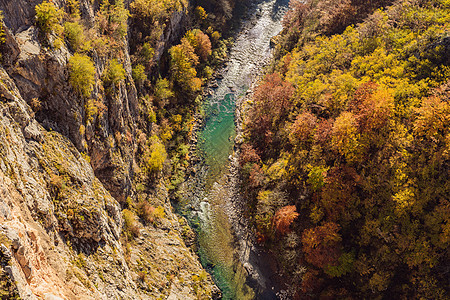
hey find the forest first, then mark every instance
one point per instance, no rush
(343, 153)
(346, 158)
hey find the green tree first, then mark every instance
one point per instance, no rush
(112, 19)
(182, 63)
(82, 74)
(147, 53)
(156, 10)
(163, 91)
(316, 177)
(155, 156)
(74, 33)
(48, 17)
(115, 72)
(74, 9)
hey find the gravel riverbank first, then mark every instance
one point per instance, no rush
(210, 196)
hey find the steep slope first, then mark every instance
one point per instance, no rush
(61, 228)
(346, 159)
(72, 176)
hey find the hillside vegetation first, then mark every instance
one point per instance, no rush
(346, 159)
(98, 102)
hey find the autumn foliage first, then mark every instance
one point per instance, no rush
(185, 57)
(320, 244)
(284, 218)
(183, 62)
(248, 154)
(271, 104)
(373, 106)
(352, 129)
(200, 42)
(303, 128)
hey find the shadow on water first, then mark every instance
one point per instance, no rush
(208, 195)
(279, 8)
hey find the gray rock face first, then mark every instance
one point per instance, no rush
(41, 75)
(34, 219)
(174, 29)
(18, 14)
(16, 276)
(60, 219)
(63, 229)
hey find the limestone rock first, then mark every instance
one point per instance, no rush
(61, 224)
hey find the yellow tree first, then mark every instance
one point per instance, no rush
(345, 136)
(182, 63)
(200, 42)
(82, 74)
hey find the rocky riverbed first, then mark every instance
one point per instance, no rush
(211, 199)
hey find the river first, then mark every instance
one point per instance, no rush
(211, 195)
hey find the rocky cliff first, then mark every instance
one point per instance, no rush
(66, 174)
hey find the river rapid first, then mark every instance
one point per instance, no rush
(210, 196)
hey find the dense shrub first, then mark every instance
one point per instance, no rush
(115, 72)
(154, 157)
(131, 224)
(149, 213)
(74, 33)
(48, 17)
(82, 74)
(138, 74)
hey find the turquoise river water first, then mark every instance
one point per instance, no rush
(207, 196)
